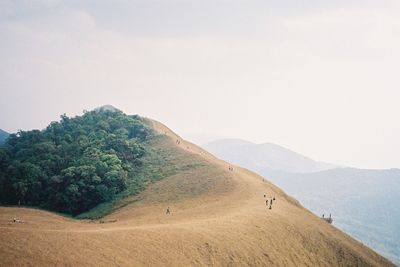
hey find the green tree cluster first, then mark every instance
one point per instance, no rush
(74, 164)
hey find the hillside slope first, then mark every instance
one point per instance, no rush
(218, 217)
(375, 223)
(363, 202)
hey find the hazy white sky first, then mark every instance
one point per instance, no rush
(319, 77)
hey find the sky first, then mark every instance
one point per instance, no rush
(319, 77)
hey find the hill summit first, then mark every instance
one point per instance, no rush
(107, 108)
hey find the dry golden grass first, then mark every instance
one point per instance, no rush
(218, 217)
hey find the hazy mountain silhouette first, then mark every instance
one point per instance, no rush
(3, 135)
(264, 157)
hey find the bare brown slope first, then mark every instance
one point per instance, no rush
(218, 217)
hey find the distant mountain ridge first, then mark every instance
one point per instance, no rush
(3, 136)
(265, 157)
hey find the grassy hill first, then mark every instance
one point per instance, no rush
(217, 217)
(86, 166)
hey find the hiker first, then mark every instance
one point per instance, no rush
(17, 221)
(274, 199)
(270, 207)
(323, 215)
(265, 195)
(266, 202)
(168, 211)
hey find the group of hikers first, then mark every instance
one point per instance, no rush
(178, 142)
(269, 201)
(328, 219)
(230, 168)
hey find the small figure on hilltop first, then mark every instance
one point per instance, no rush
(15, 220)
(266, 202)
(168, 211)
(265, 195)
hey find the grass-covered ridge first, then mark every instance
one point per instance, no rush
(162, 159)
(89, 162)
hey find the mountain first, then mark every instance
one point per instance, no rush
(363, 202)
(264, 157)
(3, 136)
(181, 206)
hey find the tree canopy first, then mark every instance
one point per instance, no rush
(74, 164)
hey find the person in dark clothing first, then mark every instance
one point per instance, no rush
(168, 211)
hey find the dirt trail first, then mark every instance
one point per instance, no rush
(228, 225)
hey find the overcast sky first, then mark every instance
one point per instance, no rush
(319, 77)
